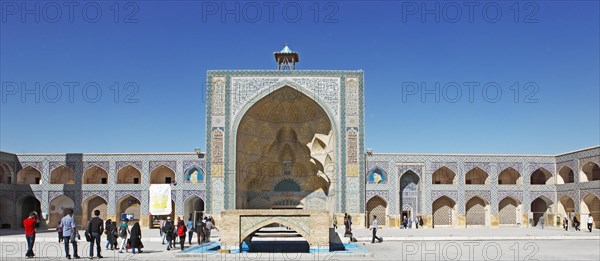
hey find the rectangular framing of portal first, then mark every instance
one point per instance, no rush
(220, 138)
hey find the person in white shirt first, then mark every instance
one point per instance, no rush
(590, 221)
(374, 228)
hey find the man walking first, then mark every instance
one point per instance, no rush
(374, 228)
(95, 228)
(190, 227)
(576, 223)
(200, 231)
(542, 222)
(168, 231)
(590, 221)
(209, 226)
(29, 224)
(70, 233)
(123, 233)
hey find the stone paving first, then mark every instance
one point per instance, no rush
(411, 244)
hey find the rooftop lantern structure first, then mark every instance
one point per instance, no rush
(286, 59)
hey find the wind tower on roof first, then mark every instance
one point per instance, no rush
(286, 59)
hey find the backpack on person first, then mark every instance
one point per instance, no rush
(122, 231)
(181, 230)
(167, 227)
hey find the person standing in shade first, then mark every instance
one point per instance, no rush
(115, 229)
(590, 222)
(421, 221)
(162, 233)
(576, 224)
(136, 238)
(374, 228)
(347, 226)
(95, 228)
(200, 230)
(29, 225)
(190, 228)
(110, 235)
(123, 233)
(542, 222)
(59, 230)
(108, 232)
(70, 233)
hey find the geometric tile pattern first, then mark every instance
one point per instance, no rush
(230, 93)
(110, 192)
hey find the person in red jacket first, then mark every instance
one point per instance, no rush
(181, 231)
(29, 224)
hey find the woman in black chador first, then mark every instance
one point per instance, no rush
(136, 238)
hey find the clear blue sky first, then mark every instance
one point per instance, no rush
(167, 47)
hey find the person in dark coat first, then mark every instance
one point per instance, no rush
(108, 232)
(136, 238)
(168, 230)
(115, 233)
(110, 235)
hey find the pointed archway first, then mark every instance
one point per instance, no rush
(477, 212)
(129, 175)
(566, 206)
(590, 172)
(59, 207)
(409, 194)
(162, 175)
(510, 176)
(284, 134)
(95, 175)
(444, 212)
(541, 176)
(129, 205)
(377, 175)
(6, 174)
(62, 175)
(565, 175)
(193, 208)
(29, 175)
(590, 205)
(91, 204)
(476, 176)
(377, 206)
(25, 206)
(509, 211)
(541, 207)
(443, 175)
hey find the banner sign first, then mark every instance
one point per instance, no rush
(160, 199)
